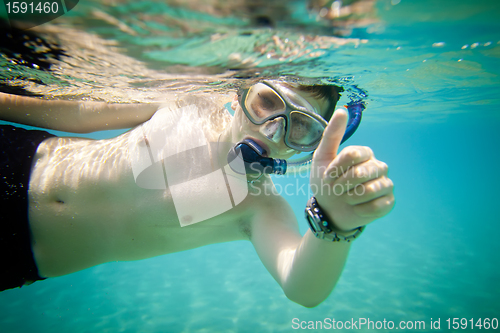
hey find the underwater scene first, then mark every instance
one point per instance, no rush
(428, 75)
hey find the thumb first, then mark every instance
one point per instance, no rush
(332, 137)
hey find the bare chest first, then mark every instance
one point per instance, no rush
(86, 208)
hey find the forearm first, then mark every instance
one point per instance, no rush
(69, 116)
(315, 269)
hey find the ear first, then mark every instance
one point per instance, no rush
(234, 103)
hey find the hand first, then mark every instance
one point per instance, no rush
(352, 187)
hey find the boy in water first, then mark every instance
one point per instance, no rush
(78, 202)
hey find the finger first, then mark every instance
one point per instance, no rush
(375, 208)
(353, 155)
(348, 159)
(369, 191)
(358, 174)
(332, 136)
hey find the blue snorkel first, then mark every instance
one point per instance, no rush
(355, 111)
(256, 164)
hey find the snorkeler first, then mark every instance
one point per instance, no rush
(73, 203)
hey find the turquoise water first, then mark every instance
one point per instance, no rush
(432, 116)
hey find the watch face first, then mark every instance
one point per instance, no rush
(311, 220)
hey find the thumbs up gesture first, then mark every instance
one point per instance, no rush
(351, 187)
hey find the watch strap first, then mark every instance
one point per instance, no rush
(324, 229)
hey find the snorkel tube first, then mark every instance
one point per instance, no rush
(255, 163)
(355, 111)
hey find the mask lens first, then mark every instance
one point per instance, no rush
(296, 100)
(263, 102)
(305, 131)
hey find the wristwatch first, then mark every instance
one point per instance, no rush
(324, 229)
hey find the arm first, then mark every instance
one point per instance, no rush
(76, 117)
(352, 190)
(306, 268)
(352, 187)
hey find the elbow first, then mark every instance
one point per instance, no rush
(307, 301)
(310, 305)
(308, 295)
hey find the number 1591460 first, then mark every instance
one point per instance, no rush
(16, 7)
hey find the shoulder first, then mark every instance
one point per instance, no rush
(210, 108)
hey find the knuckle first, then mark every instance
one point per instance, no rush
(388, 202)
(382, 204)
(387, 205)
(391, 200)
(371, 189)
(389, 183)
(359, 172)
(372, 169)
(352, 154)
(383, 167)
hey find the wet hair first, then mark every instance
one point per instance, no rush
(329, 92)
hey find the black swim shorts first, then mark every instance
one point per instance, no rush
(17, 149)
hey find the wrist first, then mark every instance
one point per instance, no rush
(324, 228)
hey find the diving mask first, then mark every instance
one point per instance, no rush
(251, 153)
(265, 101)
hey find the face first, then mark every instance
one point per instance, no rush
(270, 135)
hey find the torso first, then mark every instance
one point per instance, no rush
(85, 209)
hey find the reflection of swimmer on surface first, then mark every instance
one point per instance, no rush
(85, 207)
(262, 13)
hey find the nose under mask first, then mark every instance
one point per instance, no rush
(273, 129)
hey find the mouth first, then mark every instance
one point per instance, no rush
(261, 144)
